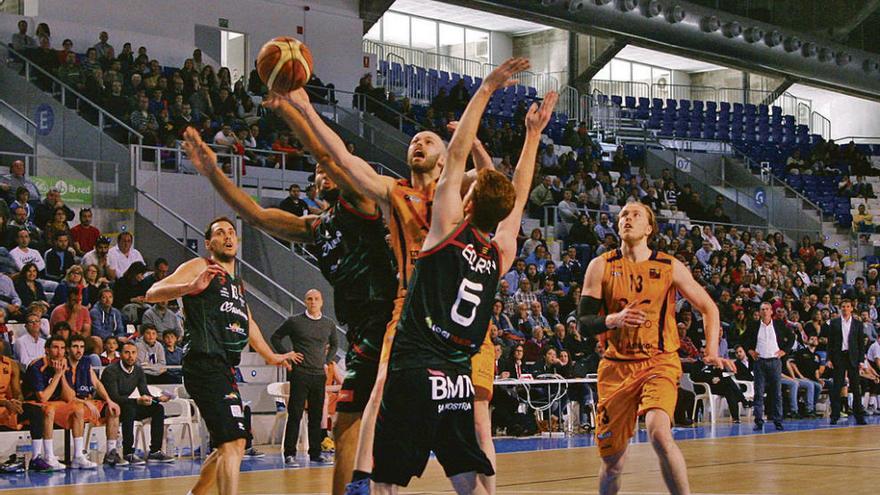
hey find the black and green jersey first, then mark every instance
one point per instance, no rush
(448, 303)
(216, 320)
(355, 258)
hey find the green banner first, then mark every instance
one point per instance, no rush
(75, 191)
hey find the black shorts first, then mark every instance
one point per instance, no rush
(210, 382)
(362, 359)
(426, 410)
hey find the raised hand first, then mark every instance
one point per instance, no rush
(203, 279)
(201, 155)
(502, 76)
(537, 118)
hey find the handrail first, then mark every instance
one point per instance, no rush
(384, 106)
(750, 161)
(29, 64)
(26, 119)
(238, 257)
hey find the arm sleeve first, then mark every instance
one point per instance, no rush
(334, 343)
(277, 338)
(142, 382)
(591, 322)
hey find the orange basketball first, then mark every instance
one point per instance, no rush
(284, 64)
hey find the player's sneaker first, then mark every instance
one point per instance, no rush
(39, 465)
(82, 462)
(159, 456)
(290, 461)
(113, 459)
(135, 460)
(321, 459)
(359, 487)
(55, 464)
(327, 445)
(12, 466)
(253, 453)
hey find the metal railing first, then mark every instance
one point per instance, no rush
(29, 125)
(820, 125)
(102, 175)
(70, 97)
(684, 92)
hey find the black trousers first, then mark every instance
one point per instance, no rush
(728, 389)
(131, 412)
(842, 369)
(304, 388)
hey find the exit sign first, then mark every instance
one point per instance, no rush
(224, 23)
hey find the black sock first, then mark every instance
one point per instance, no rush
(359, 475)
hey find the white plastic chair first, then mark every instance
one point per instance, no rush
(749, 393)
(177, 412)
(705, 396)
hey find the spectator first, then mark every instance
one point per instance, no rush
(293, 154)
(123, 255)
(535, 239)
(516, 273)
(84, 235)
(31, 345)
(162, 319)
(459, 96)
(145, 122)
(73, 281)
(70, 72)
(110, 354)
(28, 288)
(151, 356)
(102, 48)
(541, 196)
(605, 228)
(173, 354)
(744, 366)
(100, 257)
(21, 40)
(74, 313)
(128, 292)
(863, 221)
(313, 338)
(16, 178)
(533, 349)
(91, 63)
(22, 200)
(620, 163)
(121, 379)
(51, 402)
(9, 300)
(160, 271)
(846, 351)
(767, 340)
(107, 321)
(293, 203)
(315, 204)
(60, 259)
(548, 158)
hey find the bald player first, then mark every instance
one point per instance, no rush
(628, 301)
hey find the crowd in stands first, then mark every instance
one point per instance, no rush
(160, 102)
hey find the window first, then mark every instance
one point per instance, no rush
(641, 73)
(604, 73)
(395, 28)
(477, 45)
(620, 70)
(451, 40)
(424, 34)
(375, 32)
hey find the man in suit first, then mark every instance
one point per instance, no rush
(846, 349)
(743, 365)
(766, 341)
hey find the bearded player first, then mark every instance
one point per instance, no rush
(427, 404)
(628, 301)
(406, 204)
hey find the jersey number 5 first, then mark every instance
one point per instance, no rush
(466, 292)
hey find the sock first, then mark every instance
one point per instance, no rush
(359, 475)
(37, 447)
(78, 445)
(48, 448)
(111, 445)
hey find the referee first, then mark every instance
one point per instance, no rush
(313, 342)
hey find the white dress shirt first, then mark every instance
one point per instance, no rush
(844, 329)
(767, 346)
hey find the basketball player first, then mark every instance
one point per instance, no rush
(353, 256)
(427, 404)
(217, 328)
(628, 301)
(406, 204)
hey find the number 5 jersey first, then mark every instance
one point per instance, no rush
(449, 303)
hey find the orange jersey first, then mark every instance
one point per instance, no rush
(6, 365)
(650, 283)
(409, 224)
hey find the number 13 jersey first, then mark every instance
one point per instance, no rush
(649, 284)
(449, 303)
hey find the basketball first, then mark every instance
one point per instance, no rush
(284, 64)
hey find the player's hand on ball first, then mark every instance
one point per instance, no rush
(201, 155)
(537, 118)
(299, 99)
(203, 279)
(502, 76)
(627, 317)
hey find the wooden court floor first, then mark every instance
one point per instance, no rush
(827, 462)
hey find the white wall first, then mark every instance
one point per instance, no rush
(332, 28)
(501, 46)
(850, 116)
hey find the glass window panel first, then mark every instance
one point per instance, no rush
(451, 40)
(375, 32)
(641, 73)
(396, 28)
(604, 73)
(477, 45)
(424, 34)
(620, 70)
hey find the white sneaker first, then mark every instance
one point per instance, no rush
(81, 462)
(54, 463)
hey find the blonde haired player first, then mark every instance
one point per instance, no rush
(628, 301)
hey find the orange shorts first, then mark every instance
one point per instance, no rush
(9, 419)
(483, 370)
(64, 412)
(628, 390)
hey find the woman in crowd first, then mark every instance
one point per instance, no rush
(73, 280)
(535, 239)
(92, 283)
(27, 286)
(58, 225)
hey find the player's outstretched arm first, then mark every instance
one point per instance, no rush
(190, 277)
(537, 119)
(272, 220)
(282, 105)
(480, 156)
(258, 344)
(684, 282)
(373, 185)
(447, 211)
